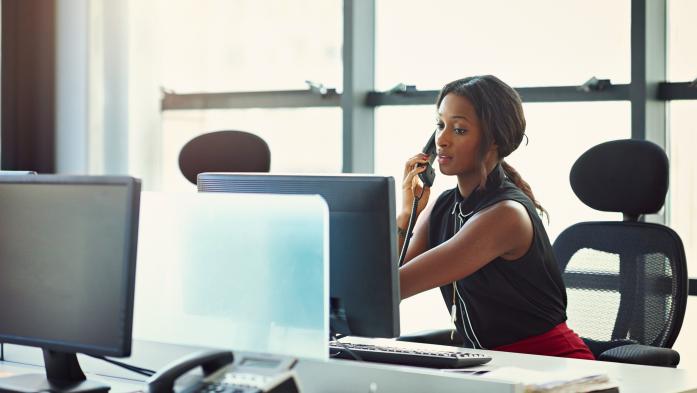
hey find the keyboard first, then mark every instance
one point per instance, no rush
(407, 356)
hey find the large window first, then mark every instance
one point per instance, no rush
(300, 140)
(682, 40)
(683, 209)
(559, 133)
(525, 43)
(190, 46)
(683, 176)
(222, 45)
(682, 139)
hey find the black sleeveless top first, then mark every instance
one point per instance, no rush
(505, 301)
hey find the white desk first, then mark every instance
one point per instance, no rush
(118, 385)
(348, 376)
(630, 378)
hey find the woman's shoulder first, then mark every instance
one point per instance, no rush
(507, 210)
(507, 192)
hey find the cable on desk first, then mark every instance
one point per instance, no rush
(135, 369)
(335, 337)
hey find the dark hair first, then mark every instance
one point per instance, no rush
(500, 113)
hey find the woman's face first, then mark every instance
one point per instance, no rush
(459, 136)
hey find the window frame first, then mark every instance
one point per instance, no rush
(648, 91)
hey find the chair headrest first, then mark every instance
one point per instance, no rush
(224, 151)
(627, 176)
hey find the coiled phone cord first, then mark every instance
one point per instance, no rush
(410, 227)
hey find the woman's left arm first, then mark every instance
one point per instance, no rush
(501, 230)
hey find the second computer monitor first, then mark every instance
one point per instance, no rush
(362, 239)
(67, 272)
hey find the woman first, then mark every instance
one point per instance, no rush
(483, 242)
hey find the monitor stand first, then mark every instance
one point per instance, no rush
(63, 374)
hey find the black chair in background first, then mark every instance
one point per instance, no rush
(626, 281)
(224, 151)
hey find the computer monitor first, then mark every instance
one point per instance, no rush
(67, 273)
(362, 239)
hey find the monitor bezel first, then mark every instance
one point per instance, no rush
(133, 188)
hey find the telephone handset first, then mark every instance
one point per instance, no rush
(429, 174)
(427, 177)
(223, 372)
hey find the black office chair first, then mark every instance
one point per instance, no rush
(224, 151)
(626, 281)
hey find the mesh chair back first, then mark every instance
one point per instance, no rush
(224, 151)
(624, 280)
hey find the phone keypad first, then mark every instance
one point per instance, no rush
(246, 379)
(226, 387)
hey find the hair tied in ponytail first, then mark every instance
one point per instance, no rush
(515, 177)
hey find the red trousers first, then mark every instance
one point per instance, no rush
(559, 341)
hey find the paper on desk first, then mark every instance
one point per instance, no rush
(555, 381)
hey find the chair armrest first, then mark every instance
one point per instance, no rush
(438, 337)
(642, 354)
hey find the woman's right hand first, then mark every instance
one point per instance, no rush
(412, 186)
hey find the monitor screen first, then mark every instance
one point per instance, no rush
(67, 262)
(362, 239)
